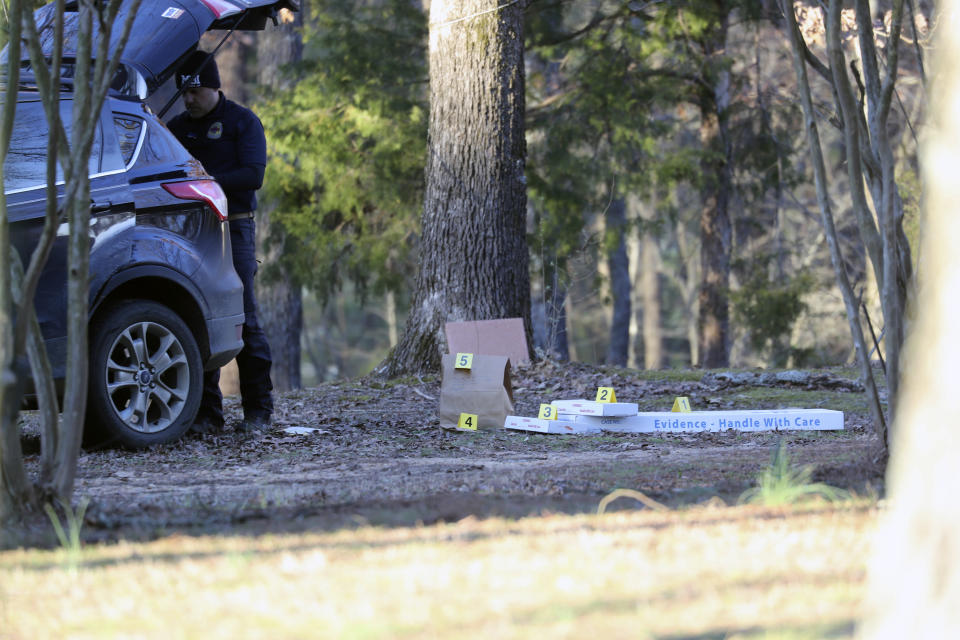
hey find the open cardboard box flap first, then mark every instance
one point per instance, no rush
(504, 337)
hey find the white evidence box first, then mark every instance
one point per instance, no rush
(593, 408)
(540, 425)
(695, 421)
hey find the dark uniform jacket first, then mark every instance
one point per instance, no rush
(230, 144)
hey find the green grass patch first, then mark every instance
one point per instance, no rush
(783, 483)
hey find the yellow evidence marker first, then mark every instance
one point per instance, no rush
(463, 361)
(468, 421)
(547, 412)
(681, 404)
(606, 394)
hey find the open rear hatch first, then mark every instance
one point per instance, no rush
(164, 33)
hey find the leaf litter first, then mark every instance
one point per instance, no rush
(371, 451)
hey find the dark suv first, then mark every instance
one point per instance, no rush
(165, 301)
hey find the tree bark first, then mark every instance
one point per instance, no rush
(94, 70)
(914, 576)
(280, 302)
(647, 265)
(636, 350)
(686, 280)
(650, 294)
(556, 343)
(14, 485)
(826, 214)
(279, 296)
(870, 157)
(897, 267)
(390, 316)
(473, 256)
(620, 285)
(715, 228)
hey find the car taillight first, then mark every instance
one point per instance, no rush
(204, 190)
(220, 8)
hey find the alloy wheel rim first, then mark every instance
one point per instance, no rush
(147, 377)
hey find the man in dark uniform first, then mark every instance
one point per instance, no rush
(228, 140)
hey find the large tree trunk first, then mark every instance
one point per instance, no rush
(620, 285)
(473, 252)
(715, 228)
(914, 579)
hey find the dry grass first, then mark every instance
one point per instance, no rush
(705, 572)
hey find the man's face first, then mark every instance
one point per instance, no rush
(199, 101)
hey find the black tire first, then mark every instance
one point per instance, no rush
(146, 376)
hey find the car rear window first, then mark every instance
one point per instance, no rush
(128, 135)
(26, 164)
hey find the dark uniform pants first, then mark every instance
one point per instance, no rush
(253, 361)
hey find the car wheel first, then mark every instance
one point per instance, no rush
(146, 375)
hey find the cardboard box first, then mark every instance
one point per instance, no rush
(592, 408)
(539, 425)
(695, 421)
(504, 337)
(484, 390)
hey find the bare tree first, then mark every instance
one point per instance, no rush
(94, 68)
(871, 171)
(473, 251)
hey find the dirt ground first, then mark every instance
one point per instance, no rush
(382, 459)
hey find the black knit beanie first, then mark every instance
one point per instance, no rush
(208, 77)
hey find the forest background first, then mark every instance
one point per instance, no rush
(625, 152)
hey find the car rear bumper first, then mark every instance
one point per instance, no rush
(226, 340)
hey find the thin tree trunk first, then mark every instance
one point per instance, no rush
(14, 485)
(555, 303)
(646, 283)
(650, 287)
(823, 198)
(77, 367)
(47, 402)
(636, 350)
(686, 280)
(93, 72)
(78, 278)
(852, 115)
(391, 317)
(896, 255)
(619, 265)
(473, 259)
